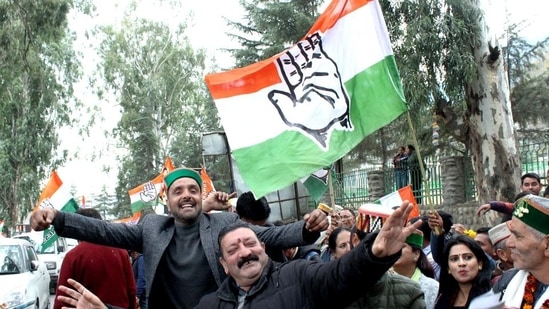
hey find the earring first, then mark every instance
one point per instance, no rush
(449, 272)
(480, 268)
(415, 259)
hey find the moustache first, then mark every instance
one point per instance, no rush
(249, 258)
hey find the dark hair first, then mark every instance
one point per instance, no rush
(411, 147)
(424, 227)
(529, 175)
(448, 220)
(229, 228)
(248, 207)
(546, 192)
(448, 284)
(89, 212)
(521, 195)
(332, 241)
(508, 217)
(349, 210)
(423, 263)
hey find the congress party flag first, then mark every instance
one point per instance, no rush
(318, 183)
(152, 192)
(310, 105)
(146, 194)
(57, 196)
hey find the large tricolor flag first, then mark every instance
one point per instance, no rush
(311, 104)
(55, 195)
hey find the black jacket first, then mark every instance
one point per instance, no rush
(306, 284)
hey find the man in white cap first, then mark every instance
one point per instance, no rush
(529, 244)
(498, 237)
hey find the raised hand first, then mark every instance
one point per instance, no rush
(316, 221)
(41, 219)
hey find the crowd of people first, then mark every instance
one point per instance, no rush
(197, 259)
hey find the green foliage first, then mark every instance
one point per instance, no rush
(37, 70)
(158, 79)
(270, 27)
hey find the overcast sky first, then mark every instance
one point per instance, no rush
(208, 30)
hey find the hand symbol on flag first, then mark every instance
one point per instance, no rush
(315, 99)
(149, 192)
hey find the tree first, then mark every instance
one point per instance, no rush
(158, 80)
(448, 65)
(37, 70)
(271, 27)
(450, 70)
(104, 203)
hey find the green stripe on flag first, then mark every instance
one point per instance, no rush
(49, 235)
(376, 100)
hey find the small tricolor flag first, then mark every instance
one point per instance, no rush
(57, 196)
(150, 193)
(372, 216)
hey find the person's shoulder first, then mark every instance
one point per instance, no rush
(221, 216)
(402, 282)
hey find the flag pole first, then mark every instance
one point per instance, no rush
(422, 168)
(331, 188)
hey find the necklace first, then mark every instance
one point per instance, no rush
(529, 289)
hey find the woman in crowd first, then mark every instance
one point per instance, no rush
(413, 264)
(464, 273)
(339, 242)
(391, 291)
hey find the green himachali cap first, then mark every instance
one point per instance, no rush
(182, 173)
(415, 239)
(533, 210)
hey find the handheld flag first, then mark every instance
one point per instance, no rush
(314, 102)
(396, 198)
(317, 183)
(372, 216)
(207, 183)
(151, 193)
(146, 194)
(57, 196)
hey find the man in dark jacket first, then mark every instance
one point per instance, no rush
(180, 251)
(257, 282)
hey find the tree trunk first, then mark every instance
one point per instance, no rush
(491, 134)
